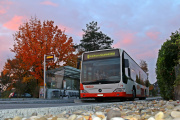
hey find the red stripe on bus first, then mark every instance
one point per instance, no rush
(81, 86)
(115, 94)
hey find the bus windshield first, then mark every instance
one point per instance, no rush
(102, 71)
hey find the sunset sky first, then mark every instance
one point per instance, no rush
(138, 26)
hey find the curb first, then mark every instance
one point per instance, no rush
(11, 113)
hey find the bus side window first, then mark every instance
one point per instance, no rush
(126, 63)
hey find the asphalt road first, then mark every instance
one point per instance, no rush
(18, 106)
(37, 103)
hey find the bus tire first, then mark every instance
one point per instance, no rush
(133, 94)
(99, 99)
(145, 96)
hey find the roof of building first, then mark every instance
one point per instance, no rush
(66, 71)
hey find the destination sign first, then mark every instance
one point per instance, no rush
(101, 54)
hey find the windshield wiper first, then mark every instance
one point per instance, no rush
(101, 81)
(90, 82)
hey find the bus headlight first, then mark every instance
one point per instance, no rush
(119, 90)
(84, 91)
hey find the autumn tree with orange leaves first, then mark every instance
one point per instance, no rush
(36, 38)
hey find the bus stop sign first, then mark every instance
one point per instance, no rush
(49, 57)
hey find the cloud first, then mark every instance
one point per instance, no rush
(65, 28)
(153, 35)
(49, 3)
(71, 30)
(2, 11)
(14, 23)
(125, 38)
(5, 53)
(4, 6)
(147, 54)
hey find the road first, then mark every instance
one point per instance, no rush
(17, 104)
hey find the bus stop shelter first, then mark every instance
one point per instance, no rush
(63, 82)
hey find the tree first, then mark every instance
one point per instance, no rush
(137, 79)
(34, 39)
(167, 59)
(144, 66)
(5, 78)
(147, 83)
(93, 39)
(16, 69)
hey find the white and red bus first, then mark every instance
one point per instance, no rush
(111, 73)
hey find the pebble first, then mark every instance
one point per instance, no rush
(17, 118)
(113, 113)
(136, 110)
(175, 114)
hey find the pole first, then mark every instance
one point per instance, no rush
(44, 75)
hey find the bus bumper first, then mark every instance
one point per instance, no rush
(114, 94)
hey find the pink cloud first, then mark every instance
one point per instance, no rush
(14, 23)
(125, 38)
(5, 53)
(2, 11)
(49, 3)
(4, 6)
(153, 35)
(65, 28)
(80, 34)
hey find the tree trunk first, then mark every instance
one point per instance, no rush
(177, 87)
(177, 92)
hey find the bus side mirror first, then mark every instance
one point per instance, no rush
(126, 61)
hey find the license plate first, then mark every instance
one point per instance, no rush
(100, 95)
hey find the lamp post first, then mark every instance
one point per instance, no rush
(44, 75)
(46, 58)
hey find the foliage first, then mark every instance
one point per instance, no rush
(34, 39)
(93, 39)
(144, 66)
(31, 86)
(16, 69)
(153, 92)
(147, 83)
(177, 82)
(167, 59)
(151, 87)
(137, 79)
(5, 78)
(6, 93)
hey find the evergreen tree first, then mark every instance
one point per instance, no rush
(93, 39)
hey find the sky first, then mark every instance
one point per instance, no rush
(139, 27)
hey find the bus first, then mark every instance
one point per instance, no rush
(111, 73)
